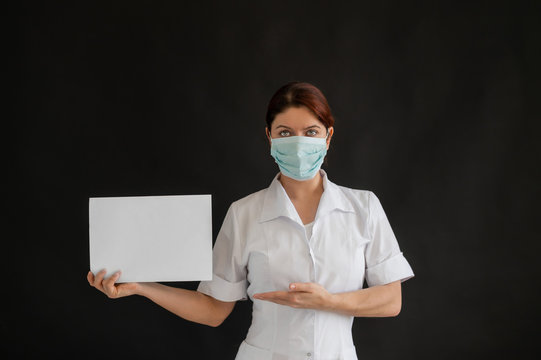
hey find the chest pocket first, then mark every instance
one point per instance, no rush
(338, 247)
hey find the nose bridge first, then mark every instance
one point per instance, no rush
(297, 148)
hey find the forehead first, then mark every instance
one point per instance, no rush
(296, 117)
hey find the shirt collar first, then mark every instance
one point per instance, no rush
(276, 202)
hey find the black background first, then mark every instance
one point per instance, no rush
(436, 105)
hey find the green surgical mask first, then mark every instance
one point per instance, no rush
(299, 157)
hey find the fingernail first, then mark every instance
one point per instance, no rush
(292, 286)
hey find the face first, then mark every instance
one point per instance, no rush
(298, 121)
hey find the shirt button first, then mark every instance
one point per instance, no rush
(309, 354)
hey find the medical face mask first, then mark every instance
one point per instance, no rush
(299, 157)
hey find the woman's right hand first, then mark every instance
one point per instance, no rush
(108, 286)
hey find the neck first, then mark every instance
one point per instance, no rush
(302, 189)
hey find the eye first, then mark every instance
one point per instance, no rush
(284, 133)
(311, 132)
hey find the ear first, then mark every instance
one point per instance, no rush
(330, 131)
(267, 132)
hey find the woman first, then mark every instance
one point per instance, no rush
(300, 249)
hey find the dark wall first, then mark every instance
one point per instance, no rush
(436, 107)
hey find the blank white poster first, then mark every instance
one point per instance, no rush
(152, 238)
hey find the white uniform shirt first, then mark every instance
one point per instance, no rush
(264, 246)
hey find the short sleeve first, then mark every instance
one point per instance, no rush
(385, 262)
(229, 268)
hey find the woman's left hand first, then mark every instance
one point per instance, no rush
(300, 295)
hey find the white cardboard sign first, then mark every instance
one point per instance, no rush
(152, 238)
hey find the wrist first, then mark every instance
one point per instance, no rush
(142, 288)
(332, 302)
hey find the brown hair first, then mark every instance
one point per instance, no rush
(297, 94)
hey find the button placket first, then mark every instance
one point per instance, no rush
(314, 232)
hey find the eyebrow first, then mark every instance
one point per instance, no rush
(309, 127)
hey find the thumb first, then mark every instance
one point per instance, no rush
(300, 287)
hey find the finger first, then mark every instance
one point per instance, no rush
(273, 297)
(109, 284)
(98, 280)
(90, 278)
(280, 297)
(270, 295)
